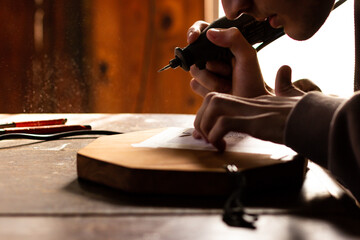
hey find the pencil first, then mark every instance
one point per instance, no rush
(34, 123)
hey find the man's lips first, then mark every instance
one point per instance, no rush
(274, 21)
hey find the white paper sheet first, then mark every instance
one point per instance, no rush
(181, 138)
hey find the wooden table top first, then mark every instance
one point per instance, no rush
(42, 198)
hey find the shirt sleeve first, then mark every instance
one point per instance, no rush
(326, 130)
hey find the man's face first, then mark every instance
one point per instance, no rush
(300, 18)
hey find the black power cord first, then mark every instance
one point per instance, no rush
(55, 136)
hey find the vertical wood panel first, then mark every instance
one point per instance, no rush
(131, 40)
(169, 91)
(16, 50)
(117, 49)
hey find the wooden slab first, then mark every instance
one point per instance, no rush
(112, 161)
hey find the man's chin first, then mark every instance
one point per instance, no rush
(300, 36)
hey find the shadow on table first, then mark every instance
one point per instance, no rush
(339, 213)
(99, 192)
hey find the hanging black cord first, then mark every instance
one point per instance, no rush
(338, 3)
(47, 137)
(234, 213)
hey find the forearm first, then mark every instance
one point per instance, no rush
(326, 130)
(308, 125)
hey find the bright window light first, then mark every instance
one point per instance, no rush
(327, 58)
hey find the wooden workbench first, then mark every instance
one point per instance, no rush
(42, 198)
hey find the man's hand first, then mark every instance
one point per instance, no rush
(263, 117)
(247, 80)
(243, 77)
(216, 76)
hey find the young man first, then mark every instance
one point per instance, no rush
(325, 129)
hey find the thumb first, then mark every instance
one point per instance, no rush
(283, 84)
(230, 38)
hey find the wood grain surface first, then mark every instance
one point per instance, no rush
(41, 196)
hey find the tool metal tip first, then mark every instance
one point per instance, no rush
(164, 68)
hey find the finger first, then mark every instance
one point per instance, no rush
(195, 30)
(214, 108)
(198, 88)
(219, 68)
(199, 114)
(218, 132)
(210, 81)
(205, 117)
(196, 134)
(283, 84)
(246, 70)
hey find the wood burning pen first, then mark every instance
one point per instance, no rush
(202, 50)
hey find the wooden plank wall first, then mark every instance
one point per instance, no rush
(95, 55)
(16, 49)
(131, 40)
